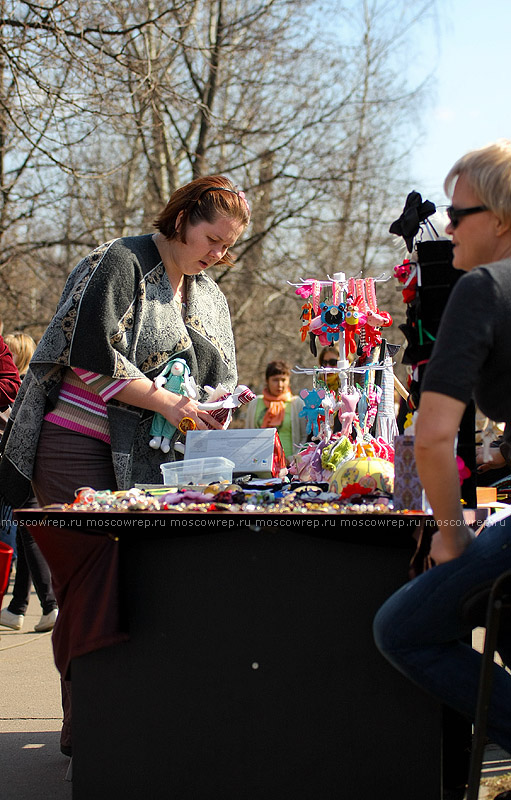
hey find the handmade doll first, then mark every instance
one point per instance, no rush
(348, 410)
(221, 402)
(175, 378)
(312, 410)
(326, 326)
(352, 324)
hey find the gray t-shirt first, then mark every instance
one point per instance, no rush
(472, 352)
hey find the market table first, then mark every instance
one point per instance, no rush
(251, 670)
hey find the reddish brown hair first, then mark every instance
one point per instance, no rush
(203, 200)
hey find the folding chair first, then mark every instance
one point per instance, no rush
(497, 598)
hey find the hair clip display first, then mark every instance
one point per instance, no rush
(341, 418)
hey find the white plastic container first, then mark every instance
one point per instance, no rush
(197, 471)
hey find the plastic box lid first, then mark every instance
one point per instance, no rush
(197, 471)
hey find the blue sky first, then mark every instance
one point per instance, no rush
(469, 49)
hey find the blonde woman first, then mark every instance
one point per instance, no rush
(30, 564)
(22, 347)
(420, 629)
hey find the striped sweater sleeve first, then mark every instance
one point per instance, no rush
(104, 385)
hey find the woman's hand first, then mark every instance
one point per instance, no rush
(443, 549)
(177, 407)
(496, 459)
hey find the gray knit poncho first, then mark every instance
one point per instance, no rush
(117, 317)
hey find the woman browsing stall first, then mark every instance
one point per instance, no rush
(129, 308)
(420, 628)
(84, 413)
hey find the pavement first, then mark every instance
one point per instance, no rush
(31, 764)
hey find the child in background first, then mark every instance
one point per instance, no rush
(278, 408)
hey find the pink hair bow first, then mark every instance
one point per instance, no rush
(241, 196)
(305, 290)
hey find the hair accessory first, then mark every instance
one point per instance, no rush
(375, 319)
(316, 291)
(239, 194)
(360, 287)
(408, 224)
(305, 290)
(336, 292)
(371, 295)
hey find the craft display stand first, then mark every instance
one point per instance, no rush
(349, 411)
(251, 670)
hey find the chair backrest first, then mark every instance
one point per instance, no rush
(475, 602)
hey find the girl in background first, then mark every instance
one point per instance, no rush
(30, 564)
(278, 408)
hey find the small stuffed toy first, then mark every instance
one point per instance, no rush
(175, 378)
(313, 411)
(306, 317)
(348, 410)
(327, 325)
(338, 450)
(329, 405)
(353, 322)
(221, 402)
(375, 320)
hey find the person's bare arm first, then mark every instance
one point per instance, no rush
(436, 429)
(143, 393)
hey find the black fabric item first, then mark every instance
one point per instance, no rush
(415, 211)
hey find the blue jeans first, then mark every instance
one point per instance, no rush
(31, 567)
(419, 629)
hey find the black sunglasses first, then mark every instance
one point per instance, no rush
(456, 214)
(331, 362)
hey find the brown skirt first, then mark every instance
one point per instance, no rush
(84, 567)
